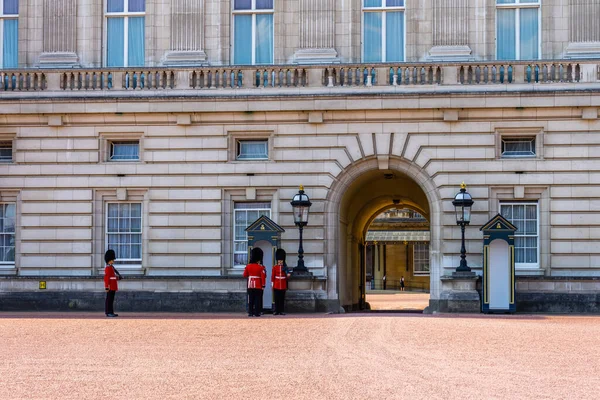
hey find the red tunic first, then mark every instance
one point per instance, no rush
(110, 279)
(279, 277)
(256, 276)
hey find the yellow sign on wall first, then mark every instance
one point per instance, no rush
(42, 284)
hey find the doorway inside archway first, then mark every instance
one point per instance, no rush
(397, 261)
(378, 211)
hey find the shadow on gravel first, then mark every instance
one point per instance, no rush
(269, 317)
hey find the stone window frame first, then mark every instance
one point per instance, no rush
(253, 12)
(125, 14)
(230, 197)
(4, 17)
(536, 133)
(235, 136)
(518, 5)
(10, 137)
(521, 194)
(382, 9)
(13, 196)
(121, 195)
(106, 139)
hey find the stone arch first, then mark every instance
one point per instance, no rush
(341, 256)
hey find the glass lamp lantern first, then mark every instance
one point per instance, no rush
(301, 205)
(462, 205)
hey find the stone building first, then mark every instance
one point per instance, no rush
(162, 128)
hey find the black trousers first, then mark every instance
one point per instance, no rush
(109, 303)
(279, 300)
(255, 301)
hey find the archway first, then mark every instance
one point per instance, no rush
(361, 193)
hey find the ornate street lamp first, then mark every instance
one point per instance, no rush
(462, 205)
(301, 204)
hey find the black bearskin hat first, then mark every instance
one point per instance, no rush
(109, 255)
(280, 255)
(256, 256)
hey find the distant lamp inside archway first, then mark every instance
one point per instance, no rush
(301, 206)
(462, 205)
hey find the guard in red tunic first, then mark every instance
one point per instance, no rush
(257, 278)
(111, 276)
(279, 280)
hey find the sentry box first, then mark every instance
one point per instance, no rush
(498, 266)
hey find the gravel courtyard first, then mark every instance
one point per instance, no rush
(351, 356)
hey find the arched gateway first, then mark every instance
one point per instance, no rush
(361, 192)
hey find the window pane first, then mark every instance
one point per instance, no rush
(531, 256)
(240, 259)
(125, 151)
(264, 4)
(529, 34)
(6, 154)
(136, 210)
(394, 3)
(253, 150)
(113, 210)
(531, 212)
(242, 45)
(505, 1)
(9, 211)
(372, 3)
(242, 5)
(518, 212)
(506, 35)
(113, 225)
(11, 40)
(136, 42)
(394, 31)
(115, 6)
(115, 56)
(506, 211)
(372, 36)
(11, 7)
(137, 5)
(264, 39)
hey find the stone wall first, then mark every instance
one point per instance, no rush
(305, 30)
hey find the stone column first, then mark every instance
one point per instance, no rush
(317, 32)
(187, 33)
(450, 30)
(584, 29)
(60, 34)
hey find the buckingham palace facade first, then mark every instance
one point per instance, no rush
(163, 128)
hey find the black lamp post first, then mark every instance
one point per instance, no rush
(301, 204)
(462, 205)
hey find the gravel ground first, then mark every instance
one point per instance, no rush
(352, 356)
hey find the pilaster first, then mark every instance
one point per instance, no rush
(317, 32)
(584, 29)
(187, 33)
(60, 34)
(450, 30)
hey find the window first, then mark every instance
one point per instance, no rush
(7, 233)
(244, 215)
(525, 217)
(124, 150)
(9, 33)
(6, 151)
(252, 149)
(421, 259)
(383, 30)
(253, 32)
(124, 232)
(125, 20)
(518, 146)
(517, 29)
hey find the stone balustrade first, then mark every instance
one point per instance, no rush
(300, 76)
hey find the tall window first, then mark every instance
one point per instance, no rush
(421, 258)
(9, 33)
(253, 31)
(244, 215)
(525, 217)
(383, 30)
(7, 233)
(517, 29)
(124, 232)
(125, 20)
